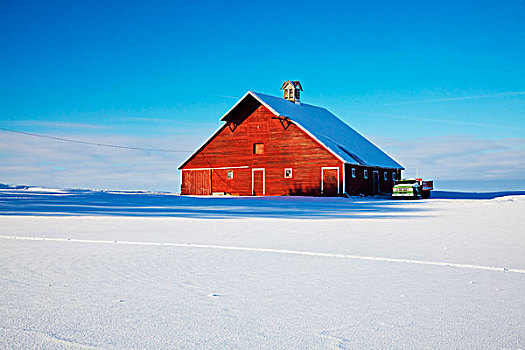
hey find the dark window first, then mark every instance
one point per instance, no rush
(366, 174)
(258, 148)
(288, 173)
(385, 175)
(353, 172)
(229, 174)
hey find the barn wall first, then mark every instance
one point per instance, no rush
(197, 182)
(283, 148)
(360, 185)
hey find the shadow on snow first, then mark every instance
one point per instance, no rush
(145, 204)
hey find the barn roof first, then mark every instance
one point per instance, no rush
(331, 132)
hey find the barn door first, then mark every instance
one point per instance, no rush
(375, 177)
(258, 182)
(198, 182)
(329, 181)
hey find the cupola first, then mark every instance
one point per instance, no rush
(292, 91)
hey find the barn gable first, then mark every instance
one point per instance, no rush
(330, 131)
(286, 159)
(335, 135)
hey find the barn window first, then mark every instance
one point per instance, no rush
(288, 173)
(366, 174)
(229, 174)
(385, 175)
(394, 176)
(353, 173)
(258, 148)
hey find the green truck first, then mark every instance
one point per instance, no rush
(412, 188)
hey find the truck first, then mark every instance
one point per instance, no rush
(412, 188)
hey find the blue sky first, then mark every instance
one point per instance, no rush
(439, 86)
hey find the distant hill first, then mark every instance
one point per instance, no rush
(13, 187)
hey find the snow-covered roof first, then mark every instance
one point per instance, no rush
(343, 141)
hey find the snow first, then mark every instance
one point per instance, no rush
(101, 270)
(330, 131)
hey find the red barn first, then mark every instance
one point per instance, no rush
(280, 146)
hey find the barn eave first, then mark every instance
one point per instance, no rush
(251, 101)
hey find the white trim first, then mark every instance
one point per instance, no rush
(318, 141)
(226, 167)
(299, 125)
(291, 118)
(224, 125)
(322, 176)
(344, 179)
(202, 146)
(264, 179)
(254, 96)
(263, 103)
(235, 105)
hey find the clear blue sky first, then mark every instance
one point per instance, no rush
(439, 76)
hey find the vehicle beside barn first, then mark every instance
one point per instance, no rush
(280, 146)
(412, 188)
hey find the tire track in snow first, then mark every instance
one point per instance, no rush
(268, 250)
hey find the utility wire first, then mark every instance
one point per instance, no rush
(93, 143)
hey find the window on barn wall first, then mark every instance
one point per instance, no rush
(394, 176)
(229, 174)
(385, 176)
(258, 148)
(353, 173)
(288, 173)
(366, 174)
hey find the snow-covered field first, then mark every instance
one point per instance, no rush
(151, 271)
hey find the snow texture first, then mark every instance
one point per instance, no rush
(331, 131)
(117, 270)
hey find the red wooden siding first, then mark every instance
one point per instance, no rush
(285, 146)
(330, 181)
(258, 182)
(197, 182)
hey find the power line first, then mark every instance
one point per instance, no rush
(93, 143)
